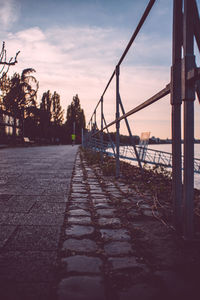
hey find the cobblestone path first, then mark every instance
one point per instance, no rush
(114, 250)
(98, 256)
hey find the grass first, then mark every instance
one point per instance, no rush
(156, 181)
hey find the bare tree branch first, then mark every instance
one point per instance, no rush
(3, 59)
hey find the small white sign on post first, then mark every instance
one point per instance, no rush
(144, 139)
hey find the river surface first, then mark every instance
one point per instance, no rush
(168, 148)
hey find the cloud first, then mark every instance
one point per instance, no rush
(151, 49)
(80, 60)
(30, 35)
(67, 59)
(9, 12)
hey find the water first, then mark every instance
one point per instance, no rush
(168, 147)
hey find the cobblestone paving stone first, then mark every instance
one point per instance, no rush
(103, 242)
(96, 240)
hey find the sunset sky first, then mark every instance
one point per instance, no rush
(74, 46)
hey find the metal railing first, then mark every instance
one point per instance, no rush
(146, 155)
(184, 83)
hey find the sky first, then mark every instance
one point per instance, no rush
(74, 46)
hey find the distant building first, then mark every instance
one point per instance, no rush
(10, 127)
(154, 140)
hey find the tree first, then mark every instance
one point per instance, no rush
(4, 87)
(75, 115)
(3, 79)
(51, 116)
(4, 84)
(57, 118)
(32, 123)
(45, 115)
(21, 92)
(57, 111)
(4, 62)
(4, 70)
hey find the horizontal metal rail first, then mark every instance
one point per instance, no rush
(164, 92)
(134, 35)
(142, 20)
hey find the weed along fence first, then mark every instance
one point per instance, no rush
(185, 81)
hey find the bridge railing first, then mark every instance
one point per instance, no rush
(184, 83)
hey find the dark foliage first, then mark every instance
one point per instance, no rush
(75, 118)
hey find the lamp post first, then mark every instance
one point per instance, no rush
(74, 134)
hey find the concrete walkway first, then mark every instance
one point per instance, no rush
(69, 233)
(34, 185)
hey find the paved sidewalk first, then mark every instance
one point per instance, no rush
(113, 248)
(69, 233)
(34, 185)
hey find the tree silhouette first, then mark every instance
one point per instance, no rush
(21, 92)
(45, 114)
(75, 115)
(4, 62)
(5, 88)
(57, 111)
(51, 116)
(20, 95)
(3, 72)
(32, 123)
